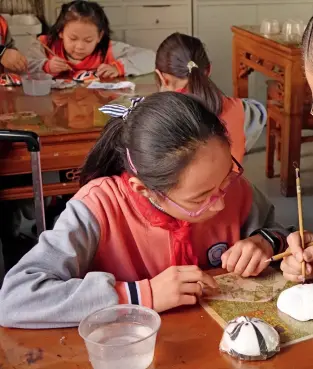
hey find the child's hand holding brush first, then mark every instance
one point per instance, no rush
(291, 265)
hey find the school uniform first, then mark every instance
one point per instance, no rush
(110, 242)
(245, 120)
(127, 59)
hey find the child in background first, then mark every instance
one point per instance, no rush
(291, 266)
(139, 233)
(80, 39)
(182, 65)
(10, 58)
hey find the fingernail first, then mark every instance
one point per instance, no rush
(299, 256)
(308, 269)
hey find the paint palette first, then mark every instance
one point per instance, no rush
(10, 79)
(85, 76)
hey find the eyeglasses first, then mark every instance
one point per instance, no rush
(211, 200)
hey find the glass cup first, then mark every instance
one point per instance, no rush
(270, 27)
(293, 30)
(122, 336)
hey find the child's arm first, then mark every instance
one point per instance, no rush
(11, 58)
(255, 120)
(262, 216)
(37, 58)
(38, 61)
(134, 60)
(261, 238)
(52, 285)
(9, 41)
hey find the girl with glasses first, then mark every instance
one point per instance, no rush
(162, 199)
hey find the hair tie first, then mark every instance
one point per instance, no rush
(191, 65)
(117, 111)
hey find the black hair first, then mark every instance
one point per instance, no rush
(307, 44)
(173, 56)
(87, 11)
(161, 133)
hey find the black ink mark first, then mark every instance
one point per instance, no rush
(34, 355)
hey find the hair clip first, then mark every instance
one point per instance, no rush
(117, 111)
(191, 65)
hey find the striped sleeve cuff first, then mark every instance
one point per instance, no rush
(136, 293)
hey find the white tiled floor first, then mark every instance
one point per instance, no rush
(286, 208)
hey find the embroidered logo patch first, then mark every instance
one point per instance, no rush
(215, 252)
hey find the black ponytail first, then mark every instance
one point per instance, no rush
(200, 85)
(105, 157)
(173, 56)
(161, 135)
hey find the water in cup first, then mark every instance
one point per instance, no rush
(121, 337)
(123, 334)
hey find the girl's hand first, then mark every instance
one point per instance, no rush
(58, 65)
(107, 71)
(14, 60)
(291, 266)
(179, 285)
(247, 257)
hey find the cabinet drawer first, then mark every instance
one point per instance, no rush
(158, 15)
(150, 38)
(115, 14)
(118, 35)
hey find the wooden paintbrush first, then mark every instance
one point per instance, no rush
(285, 254)
(300, 215)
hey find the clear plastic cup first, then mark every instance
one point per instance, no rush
(122, 336)
(270, 27)
(37, 84)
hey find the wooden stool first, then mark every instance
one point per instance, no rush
(275, 121)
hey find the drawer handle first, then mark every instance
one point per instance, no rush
(156, 6)
(157, 21)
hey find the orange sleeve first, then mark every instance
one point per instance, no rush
(109, 59)
(3, 31)
(137, 293)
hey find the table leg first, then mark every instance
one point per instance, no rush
(240, 78)
(290, 153)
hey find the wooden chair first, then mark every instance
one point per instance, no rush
(276, 119)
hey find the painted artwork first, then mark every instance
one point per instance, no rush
(256, 297)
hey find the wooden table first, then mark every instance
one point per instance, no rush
(281, 62)
(188, 339)
(68, 124)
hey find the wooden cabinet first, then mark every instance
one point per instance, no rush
(140, 23)
(212, 20)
